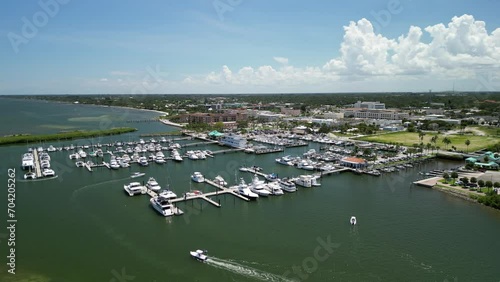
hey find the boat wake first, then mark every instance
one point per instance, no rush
(238, 268)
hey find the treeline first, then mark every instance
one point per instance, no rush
(492, 199)
(462, 100)
(17, 139)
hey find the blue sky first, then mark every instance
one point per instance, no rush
(253, 46)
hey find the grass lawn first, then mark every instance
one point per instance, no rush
(410, 138)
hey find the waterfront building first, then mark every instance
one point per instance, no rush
(353, 162)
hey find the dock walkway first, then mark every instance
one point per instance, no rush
(38, 170)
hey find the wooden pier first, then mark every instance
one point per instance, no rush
(38, 170)
(268, 151)
(198, 144)
(227, 151)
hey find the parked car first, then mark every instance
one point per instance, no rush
(472, 185)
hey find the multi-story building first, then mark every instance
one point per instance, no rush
(369, 105)
(211, 118)
(375, 114)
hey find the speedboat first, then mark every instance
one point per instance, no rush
(79, 164)
(353, 220)
(287, 186)
(197, 177)
(200, 255)
(137, 174)
(134, 188)
(30, 175)
(143, 161)
(114, 164)
(219, 180)
(162, 205)
(152, 184)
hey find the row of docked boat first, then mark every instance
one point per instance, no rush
(199, 154)
(28, 163)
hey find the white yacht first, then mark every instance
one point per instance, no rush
(162, 205)
(48, 172)
(286, 160)
(199, 255)
(271, 177)
(28, 161)
(30, 175)
(152, 184)
(192, 155)
(134, 188)
(74, 156)
(143, 161)
(193, 193)
(287, 186)
(314, 181)
(160, 160)
(167, 194)
(353, 220)
(304, 181)
(82, 153)
(51, 149)
(274, 188)
(219, 180)
(234, 140)
(79, 164)
(258, 186)
(176, 156)
(197, 177)
(114, 164)
(245, 191)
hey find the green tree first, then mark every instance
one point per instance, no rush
(446, 142)
(489, 184)
(454, 175)
(421, 135)
(467, 143)
(473, 180)
(446, 176)
(480, 183)
(465, 180)
(496, 184)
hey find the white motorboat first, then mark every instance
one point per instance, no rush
(134, 188)
(79, 164)
(143, 161)
(162, 205)
(304, 181)
(152, 184)
(137, 174)
(48, 172)
(314, 181)
(271, 177)
(74, 156)
(219, 180)
(176, 156)
(82, 153)
(200, 255)
(160, 160)
(197, 177)
(51, 149)
(28, 161)
(192, 155)
(258, 186)
(30, 175)
(167, 194)
(245, 191)
(353, 220)
(274, 188)
(287, 186)
(114, 164)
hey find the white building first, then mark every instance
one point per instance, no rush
(369, 105)
(375, 114)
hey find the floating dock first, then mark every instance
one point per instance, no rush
(38, 170)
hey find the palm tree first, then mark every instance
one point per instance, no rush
(446, 142)
(467, 143)
(421, 136)
(428, 146)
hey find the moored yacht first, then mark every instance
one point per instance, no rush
(197, 177)
(152, 184)
(30, 175)
(274, 188)
(134, 188)
(287, 185)
(258, 186)
(304, 181)
(243, 190)
(219, 180)
(162, 205)
(48, 172)
(167, 194)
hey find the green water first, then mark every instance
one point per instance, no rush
(82, 227)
